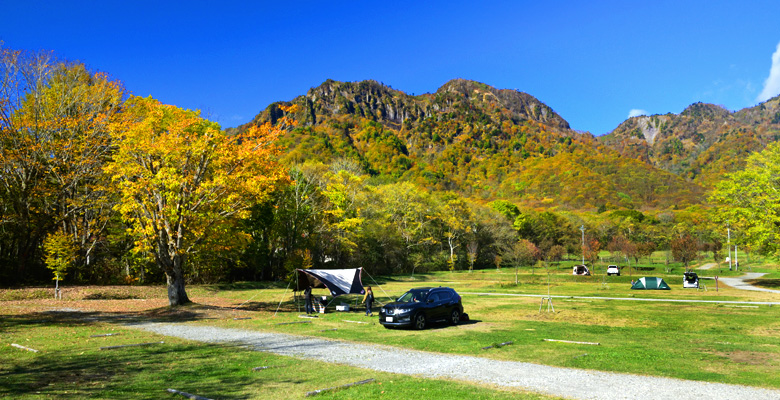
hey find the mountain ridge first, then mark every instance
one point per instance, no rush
(700, 144)
(490, 143)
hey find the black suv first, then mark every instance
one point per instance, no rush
(419, 306)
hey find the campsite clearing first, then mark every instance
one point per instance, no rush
(638, 337)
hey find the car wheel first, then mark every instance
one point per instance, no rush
(419, 321)
(455, 317)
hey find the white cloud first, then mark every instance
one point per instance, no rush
(772, 83)
(636, 112)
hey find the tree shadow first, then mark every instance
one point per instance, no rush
(126, 373)
(76, 370)
(765, 283)
(243, 286)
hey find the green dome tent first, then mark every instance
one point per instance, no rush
(650, 283)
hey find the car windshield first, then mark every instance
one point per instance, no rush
(413, 296)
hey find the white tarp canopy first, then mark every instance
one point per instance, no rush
(337, 281)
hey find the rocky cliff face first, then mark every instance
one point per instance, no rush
(376, 101)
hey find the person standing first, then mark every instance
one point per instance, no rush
(368, 298)
(307, 297)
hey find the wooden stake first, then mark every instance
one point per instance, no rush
(187, 395)
(263, 367)
(105, 334)
(296, 322)
(570, 341)
(18, 346)
(496, 345)
(318, 391)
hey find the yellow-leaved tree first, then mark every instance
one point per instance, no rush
(54, 140)
(183, 181)
(60, 254)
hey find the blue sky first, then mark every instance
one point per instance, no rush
(592, 62)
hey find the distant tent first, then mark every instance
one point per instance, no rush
(337, 281)
(650, 283)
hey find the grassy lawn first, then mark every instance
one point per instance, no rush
(70, 364)
(715, 342)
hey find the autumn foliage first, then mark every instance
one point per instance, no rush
(183, 182)
(467, 177)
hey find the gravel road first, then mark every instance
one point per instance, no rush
(740, 282)
(565, 382)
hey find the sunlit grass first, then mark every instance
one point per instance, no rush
(717, 341)
(70, 364)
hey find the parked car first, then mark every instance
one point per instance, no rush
(690, 280)
(580, 270)
(418, 307)
(613, 270)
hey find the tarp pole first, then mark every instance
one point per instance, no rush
(297, 303)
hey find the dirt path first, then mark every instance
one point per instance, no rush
(741, 282)
(556, 381)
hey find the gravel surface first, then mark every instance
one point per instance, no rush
(740, 282)
(565, 382)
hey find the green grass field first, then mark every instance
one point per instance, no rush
(715, 341)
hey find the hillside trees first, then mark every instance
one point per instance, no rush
(750, 201)
(182, 181)
(685, 248)
(386, 228)
(547, 229)
(54, 143)
(522, 252)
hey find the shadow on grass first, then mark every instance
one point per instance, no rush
(128, 373)
(445, 325)
(71, 317)
(79, 369)
(243, 286)
(765, 283)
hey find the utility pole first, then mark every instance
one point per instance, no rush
(728, 242)
(582, 228)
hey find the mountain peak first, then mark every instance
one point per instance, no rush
(705, 110)
(522, 105)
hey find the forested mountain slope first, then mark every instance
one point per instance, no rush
(476, 140)
(702, 143)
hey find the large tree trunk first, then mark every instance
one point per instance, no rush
(176, 294)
